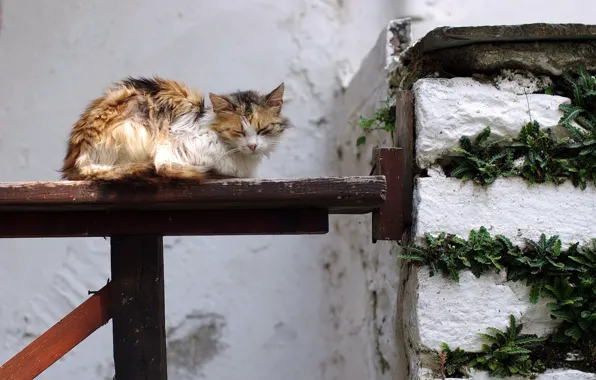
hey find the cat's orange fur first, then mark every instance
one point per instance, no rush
(147, 128)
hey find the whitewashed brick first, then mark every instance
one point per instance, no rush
(456, 312)
(447, 109)
(445, 311)
(510, 206)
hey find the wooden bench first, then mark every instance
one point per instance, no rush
(136, 217)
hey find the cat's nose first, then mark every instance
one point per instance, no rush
(252, 146)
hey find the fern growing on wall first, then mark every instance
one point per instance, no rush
(507, 353)
(567, 276)
(543, 158)
(580, 119)
(483, 160)
(563, 275)
(542, 154)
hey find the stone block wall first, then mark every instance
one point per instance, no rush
(442, 310)
(410, 314)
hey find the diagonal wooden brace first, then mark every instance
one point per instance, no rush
(60, 338)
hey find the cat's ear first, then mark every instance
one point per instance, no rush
(220, 103)
(276, 97)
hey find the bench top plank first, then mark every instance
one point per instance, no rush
(338, 195)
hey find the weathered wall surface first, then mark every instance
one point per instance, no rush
(237, 307)
(364, 274)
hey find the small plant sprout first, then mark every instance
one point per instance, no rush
(383, 120)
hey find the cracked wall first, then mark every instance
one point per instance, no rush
(363, 274)
(237, 307)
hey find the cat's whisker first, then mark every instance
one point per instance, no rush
(235, 150)
(231, 151)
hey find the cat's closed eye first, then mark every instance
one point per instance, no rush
(265, 130)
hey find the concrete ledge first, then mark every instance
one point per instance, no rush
(462, 51)
(558, 374)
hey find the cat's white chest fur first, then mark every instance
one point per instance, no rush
(194, 143)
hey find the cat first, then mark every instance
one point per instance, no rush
(154, 128)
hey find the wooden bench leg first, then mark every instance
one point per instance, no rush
(138, 310)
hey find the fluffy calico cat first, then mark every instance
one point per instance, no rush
(145, 128)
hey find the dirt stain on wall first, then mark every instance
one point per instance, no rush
(195, 342)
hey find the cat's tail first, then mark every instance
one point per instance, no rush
(180, 172)
(138, 171)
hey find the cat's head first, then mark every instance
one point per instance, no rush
(249, 121)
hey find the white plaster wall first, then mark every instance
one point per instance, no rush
(237, 307)
(364, 275)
